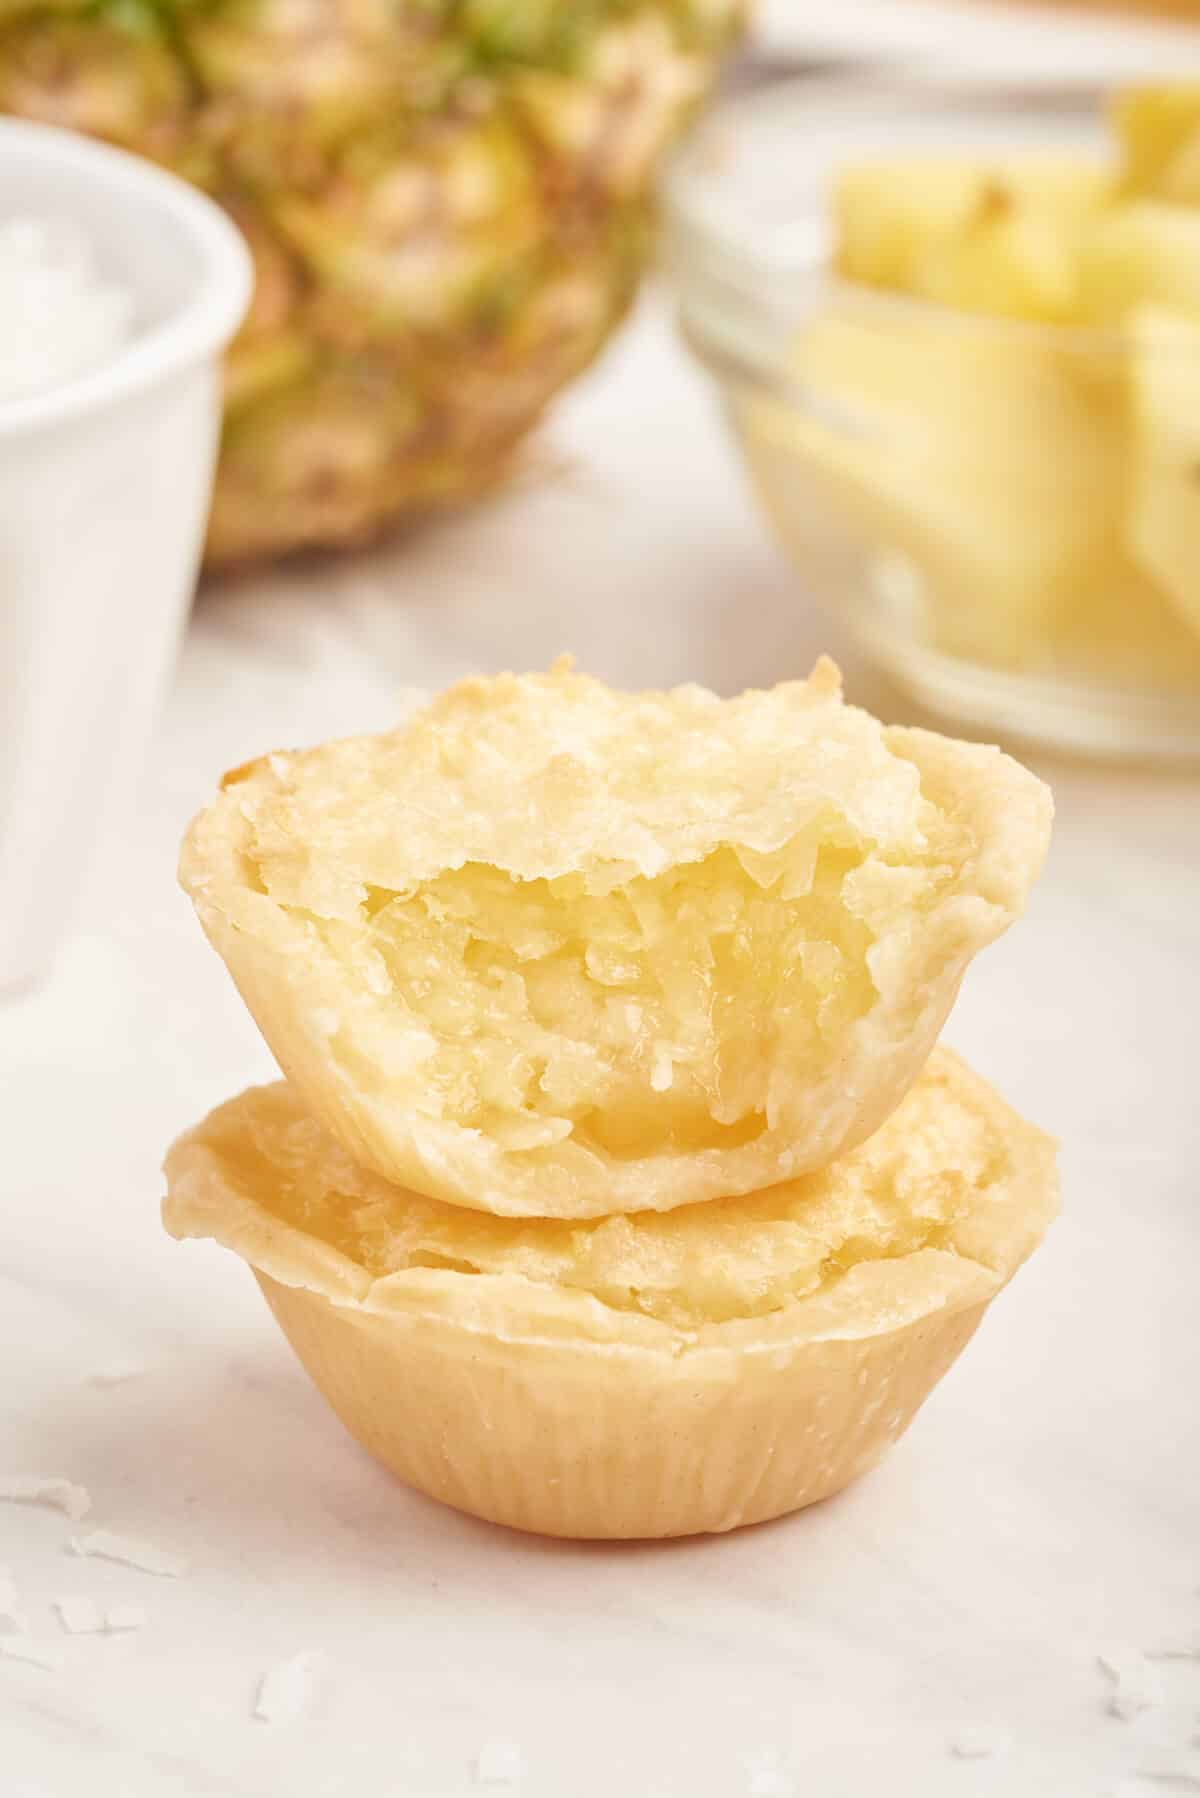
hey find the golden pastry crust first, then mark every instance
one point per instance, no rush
(653, 1375)
(551, 950)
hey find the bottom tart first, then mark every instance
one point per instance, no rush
(648, 1374)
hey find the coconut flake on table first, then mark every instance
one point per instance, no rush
(129, 1552)
(12, 1617)
(79, 1616)
(120, 1618)
(978, 1744)
(285, 1692)
(119, 1374)
(1177, 1772)
(766, 1776)
(38, 1489)
(34, 1654)
(1185, 1648)
(1135, 1684)
(499, 1763)
(59, 315)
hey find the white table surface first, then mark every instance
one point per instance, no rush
(1044, 1508)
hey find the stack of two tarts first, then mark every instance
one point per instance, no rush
(617, 1187)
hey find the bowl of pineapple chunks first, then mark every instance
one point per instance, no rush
(958, 344)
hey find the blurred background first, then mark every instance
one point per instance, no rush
(694, 341)
(910, 377)
(913, 374)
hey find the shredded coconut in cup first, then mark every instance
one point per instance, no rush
(59, 315)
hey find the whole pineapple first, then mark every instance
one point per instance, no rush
(447, 202)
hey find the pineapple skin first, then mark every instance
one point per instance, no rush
(448, 203)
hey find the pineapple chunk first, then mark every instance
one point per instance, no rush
(1163, 522)
(987, 459)
(886, 214)
(1122, 627)
(989, 237)
(1159, 133)
(1007, 260)
(1147, 252)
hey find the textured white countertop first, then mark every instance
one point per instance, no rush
(1045, 1507)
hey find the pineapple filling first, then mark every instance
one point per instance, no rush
(665, 1014)
(946, 1171)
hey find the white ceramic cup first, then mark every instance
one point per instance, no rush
(105, 483)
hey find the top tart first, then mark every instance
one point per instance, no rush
(547, 949)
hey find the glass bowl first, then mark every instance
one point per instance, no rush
(970, 493)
